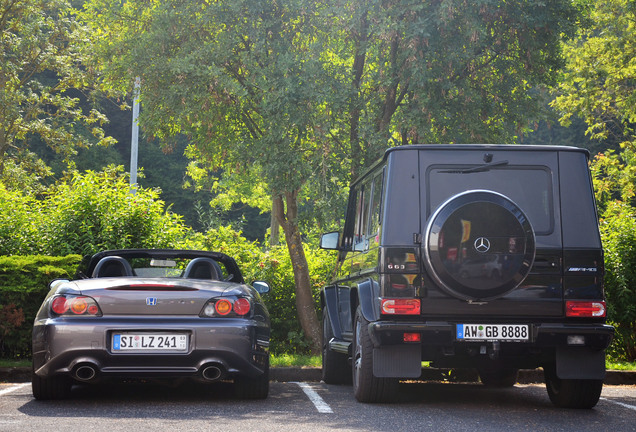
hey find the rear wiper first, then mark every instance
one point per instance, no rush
(478, 168)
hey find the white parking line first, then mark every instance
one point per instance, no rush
(13, 388)
(315, 398)
(624, 405)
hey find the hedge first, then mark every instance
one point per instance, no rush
(24, 282)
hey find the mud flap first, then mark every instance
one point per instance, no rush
(580, 363)
(397, 361)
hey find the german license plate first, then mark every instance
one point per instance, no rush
(493, 332)
(171, 342)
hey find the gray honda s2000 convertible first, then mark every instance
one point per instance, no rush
(164, 314)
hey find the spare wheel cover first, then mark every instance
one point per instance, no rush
(479, 245)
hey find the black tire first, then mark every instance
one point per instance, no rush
(367, 387)
(500, 378)
(51, 388)
(572, 393)
(252, 388)
(335, 366)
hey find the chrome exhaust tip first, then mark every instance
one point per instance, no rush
(85, 372)
(212, 373)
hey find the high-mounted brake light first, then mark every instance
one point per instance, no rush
(400, 306)
(585, 309)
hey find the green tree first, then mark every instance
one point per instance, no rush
(442, 71)
(599, 82)
(42, 80)
(614, 179)
(299, 95)
(238, 77)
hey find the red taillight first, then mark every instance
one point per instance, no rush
(242, 306)
(71, 305)
(401, 306)
(59, 305)
(226, 307)
(585, 309)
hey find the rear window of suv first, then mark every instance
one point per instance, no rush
(530, 188)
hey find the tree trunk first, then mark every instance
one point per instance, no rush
(274, 232)
(305, 304)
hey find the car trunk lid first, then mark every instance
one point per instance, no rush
(134, 296)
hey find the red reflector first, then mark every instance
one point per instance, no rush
(412, 337)
(242, 306)
(401, 306)
(585, 309)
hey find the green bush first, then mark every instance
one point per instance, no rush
(19, 215)
(618, 230)
(96, 211)
(24, 282)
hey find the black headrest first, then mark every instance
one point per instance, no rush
(112, 266)
(203, 268)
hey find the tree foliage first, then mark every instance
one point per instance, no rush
(442, 71)
(599, 82)
(614, 179)
(42, 77)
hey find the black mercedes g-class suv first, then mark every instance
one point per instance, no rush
(469, 256)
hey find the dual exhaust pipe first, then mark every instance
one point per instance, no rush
(210, 372)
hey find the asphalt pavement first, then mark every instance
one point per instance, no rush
(312, 374)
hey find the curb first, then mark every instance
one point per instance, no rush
(313, 374)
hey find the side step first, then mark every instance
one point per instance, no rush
(340, 346)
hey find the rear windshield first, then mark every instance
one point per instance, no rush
(530, 188)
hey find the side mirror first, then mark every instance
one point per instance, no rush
(261, 287)
(330, 241)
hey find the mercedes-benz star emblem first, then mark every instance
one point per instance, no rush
(482, 244)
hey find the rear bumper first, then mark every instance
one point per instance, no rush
(234, 346)
(596, 336)
(549, 344)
